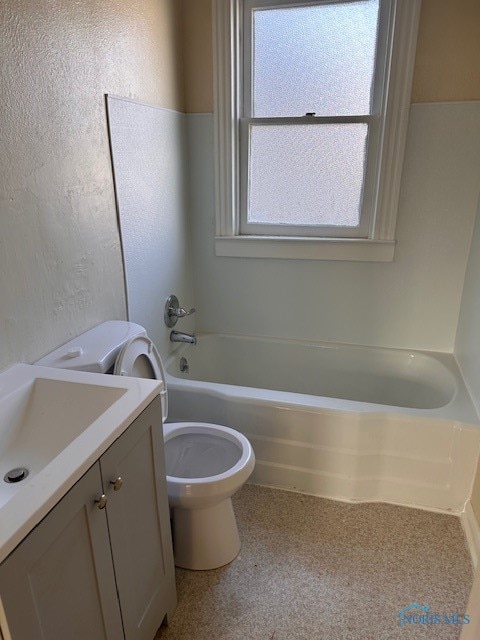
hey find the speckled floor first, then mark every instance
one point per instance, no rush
(314, 569)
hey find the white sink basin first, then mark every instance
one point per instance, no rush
(55, 424)
(41, 418)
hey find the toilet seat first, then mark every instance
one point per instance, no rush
(139, 358)
(222, 447)
(205, 489)
(191, 455)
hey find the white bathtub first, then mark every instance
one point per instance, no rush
(340, 421)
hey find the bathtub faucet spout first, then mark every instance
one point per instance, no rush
(178, 336)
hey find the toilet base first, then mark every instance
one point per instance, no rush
(205, 538)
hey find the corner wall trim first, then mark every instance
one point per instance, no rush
(472, 533)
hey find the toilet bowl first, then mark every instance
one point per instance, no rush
(205, 463)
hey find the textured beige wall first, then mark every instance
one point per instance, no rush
(448, 55)
(198, 55)
(60, 258)
(447, 66)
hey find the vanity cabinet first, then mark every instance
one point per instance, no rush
(96, 571)
(139, 524)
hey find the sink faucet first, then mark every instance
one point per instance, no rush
(178, 336)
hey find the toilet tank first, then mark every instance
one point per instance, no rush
(95, 350)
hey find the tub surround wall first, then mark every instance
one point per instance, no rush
(410, 303)
(467, 352)
(149, 159)
(467, 346)
(60, 255)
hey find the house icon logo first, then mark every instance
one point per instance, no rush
(406, 615)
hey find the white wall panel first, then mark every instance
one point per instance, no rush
(410, 303)
(149, 158)
(467, 345)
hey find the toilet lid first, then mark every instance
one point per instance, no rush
(139, 358)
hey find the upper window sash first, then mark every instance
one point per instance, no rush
(245, 48)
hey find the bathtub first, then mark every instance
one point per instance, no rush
(339, 421)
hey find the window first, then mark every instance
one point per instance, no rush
(311, 110)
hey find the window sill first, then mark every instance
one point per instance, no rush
(353, 249)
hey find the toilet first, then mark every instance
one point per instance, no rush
(205, 463)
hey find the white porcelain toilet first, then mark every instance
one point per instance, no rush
(206, 463)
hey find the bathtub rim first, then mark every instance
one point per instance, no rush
(460, 408)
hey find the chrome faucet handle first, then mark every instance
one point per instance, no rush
(173, 311)
(180, 312)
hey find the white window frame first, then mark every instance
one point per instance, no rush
(379, 245)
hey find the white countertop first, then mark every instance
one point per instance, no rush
(35, 496)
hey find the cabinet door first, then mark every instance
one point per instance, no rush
(59, 582)
(139, 524)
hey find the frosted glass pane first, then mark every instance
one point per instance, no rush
(318, 58)
(306, 174)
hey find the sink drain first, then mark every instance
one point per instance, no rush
(16, 475)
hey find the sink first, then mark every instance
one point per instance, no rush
(41, 418)
(54, 424)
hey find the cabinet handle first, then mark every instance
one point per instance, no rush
(117, 484)
(101, 502)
